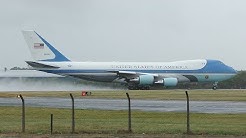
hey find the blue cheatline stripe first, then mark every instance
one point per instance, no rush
(142, 71)
(58, 56)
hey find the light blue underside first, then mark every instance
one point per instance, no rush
(213, 77)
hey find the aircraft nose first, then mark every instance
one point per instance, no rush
(233, 70)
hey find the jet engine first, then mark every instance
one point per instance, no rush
(170, 81)
(146, 80)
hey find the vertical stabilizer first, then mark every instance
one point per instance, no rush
(40, 49)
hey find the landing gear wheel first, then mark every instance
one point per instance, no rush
(147, 87)
(135, 87)
(130, 87)
(144, 87)
(214, 87)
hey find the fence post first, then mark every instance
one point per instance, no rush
(129, 114)
(23, 112)
(188, 113)
(51, 124)
(73, 122)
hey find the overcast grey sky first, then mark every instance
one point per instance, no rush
(127, 30)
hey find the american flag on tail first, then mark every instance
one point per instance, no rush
(38, 46)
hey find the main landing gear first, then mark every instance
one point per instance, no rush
(136, 87)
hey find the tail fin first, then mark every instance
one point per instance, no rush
(40, 49)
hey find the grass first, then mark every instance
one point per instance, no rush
(205, 95)
(116, 122)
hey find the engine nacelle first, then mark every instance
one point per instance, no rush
(146, 80)
(170, 81)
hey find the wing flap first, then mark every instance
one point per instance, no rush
(131, 74)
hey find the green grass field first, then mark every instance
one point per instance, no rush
(113, 122)
(116, 122)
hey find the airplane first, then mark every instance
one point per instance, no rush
(135, 75)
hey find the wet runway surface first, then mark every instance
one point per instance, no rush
(122, 104)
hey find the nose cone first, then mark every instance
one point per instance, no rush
(231, 70)
(228, 73)
(225, 72)
(235, 71)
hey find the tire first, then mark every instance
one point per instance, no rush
(214, 88)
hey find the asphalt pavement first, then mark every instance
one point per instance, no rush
(122, 104)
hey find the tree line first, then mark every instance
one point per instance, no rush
(237, 82)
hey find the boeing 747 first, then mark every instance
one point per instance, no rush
(136, 75)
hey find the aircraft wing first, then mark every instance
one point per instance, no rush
(132, 74)
(139, 80)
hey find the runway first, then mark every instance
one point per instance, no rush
(122, 104)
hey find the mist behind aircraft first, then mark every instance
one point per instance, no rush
(29, 80)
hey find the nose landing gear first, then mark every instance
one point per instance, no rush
(215, 86)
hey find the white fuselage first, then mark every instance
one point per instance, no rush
(185, 71)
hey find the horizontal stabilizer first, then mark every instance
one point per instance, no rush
(40, 65)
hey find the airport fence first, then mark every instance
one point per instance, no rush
(59, 121)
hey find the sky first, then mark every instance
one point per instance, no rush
(127, 30)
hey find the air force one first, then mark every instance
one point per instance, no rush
(136, 75)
